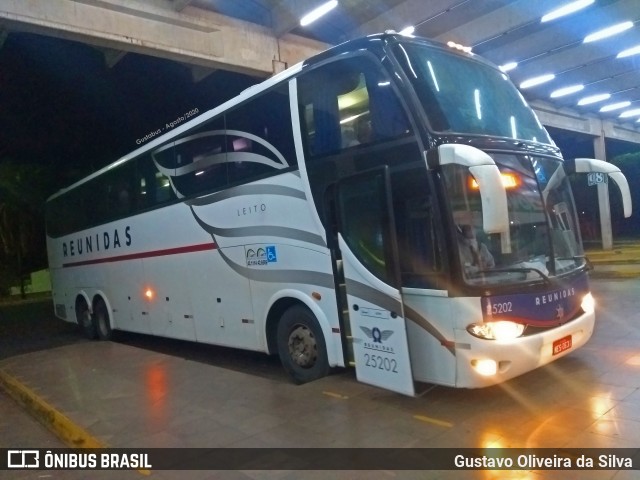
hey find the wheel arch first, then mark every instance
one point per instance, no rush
(284, 300)
(82, 296)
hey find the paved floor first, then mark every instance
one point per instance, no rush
(131, 396)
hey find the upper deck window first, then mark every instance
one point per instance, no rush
(348, 103)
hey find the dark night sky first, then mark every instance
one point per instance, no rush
(61, 105)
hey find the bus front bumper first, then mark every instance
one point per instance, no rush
(481, 364)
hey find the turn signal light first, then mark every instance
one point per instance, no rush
(509, 181)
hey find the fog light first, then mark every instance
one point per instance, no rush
(485, 367)
(588, 303)
(499, 330)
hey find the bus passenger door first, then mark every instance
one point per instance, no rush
(368, 245)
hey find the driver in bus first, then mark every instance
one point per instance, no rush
(474, 256)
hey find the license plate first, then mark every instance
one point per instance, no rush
(562, 344)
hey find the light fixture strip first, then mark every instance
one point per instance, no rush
(608, 32)
(594, 98)
(316, 13)
(630, 113)
(566, 10)
(615, 106)
(629, 51)
(532, 82)
(561, 92)
(508, 66)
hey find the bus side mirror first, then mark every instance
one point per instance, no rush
(495, 214)
(591, 165)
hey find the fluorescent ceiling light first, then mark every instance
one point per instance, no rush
(630, 113)
(407, 30)
(508, 66)
(608, 32)
(615, 106)
(315, 14)
(629, 51)
(561, 92)
(594, 98)
(566, 10)
(532, 82)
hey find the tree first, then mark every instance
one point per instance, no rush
(23, 191)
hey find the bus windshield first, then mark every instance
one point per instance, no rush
(462, 95)
(543, 238)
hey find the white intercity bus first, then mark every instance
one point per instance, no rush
(390, 204)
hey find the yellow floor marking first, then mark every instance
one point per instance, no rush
(62, 426)
(336, 395)
(435, 421)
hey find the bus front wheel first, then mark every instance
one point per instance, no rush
(101, 320)
(85, 320)
(301, 345)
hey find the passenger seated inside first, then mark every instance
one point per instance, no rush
(474, 256)
(349, 138)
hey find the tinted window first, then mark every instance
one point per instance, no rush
(348, 103)
(250, 142)
(198, 160)
(259, 136)
(153, 188)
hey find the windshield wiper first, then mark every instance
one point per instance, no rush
(578, 257)
(546, 279)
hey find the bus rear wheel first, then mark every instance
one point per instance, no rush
(101, 320)
(301, 345)
(85, 320)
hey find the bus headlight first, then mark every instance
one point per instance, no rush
(498, 330)
(588, 304)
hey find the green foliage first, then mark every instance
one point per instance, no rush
(23, 191)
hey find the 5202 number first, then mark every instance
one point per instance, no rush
(381, 363)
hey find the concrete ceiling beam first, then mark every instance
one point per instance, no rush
(153, 27)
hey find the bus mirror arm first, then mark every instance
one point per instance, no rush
(591, 165)
(495, 215)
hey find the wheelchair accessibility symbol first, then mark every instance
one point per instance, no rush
(271, 254)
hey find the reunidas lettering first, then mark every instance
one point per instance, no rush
(555, 296)
(97, 242)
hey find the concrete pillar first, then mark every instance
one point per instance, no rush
(603, 197)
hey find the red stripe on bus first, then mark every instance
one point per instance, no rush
(154, 253)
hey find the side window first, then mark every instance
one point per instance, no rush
(416, 230)
(348, 103)
(119, 191)
(195, 162)
(260, 137)
(152, 186)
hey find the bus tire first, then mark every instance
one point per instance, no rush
(101, 320)
(301, 345)
(85, 320)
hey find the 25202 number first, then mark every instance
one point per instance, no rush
(381, 363)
